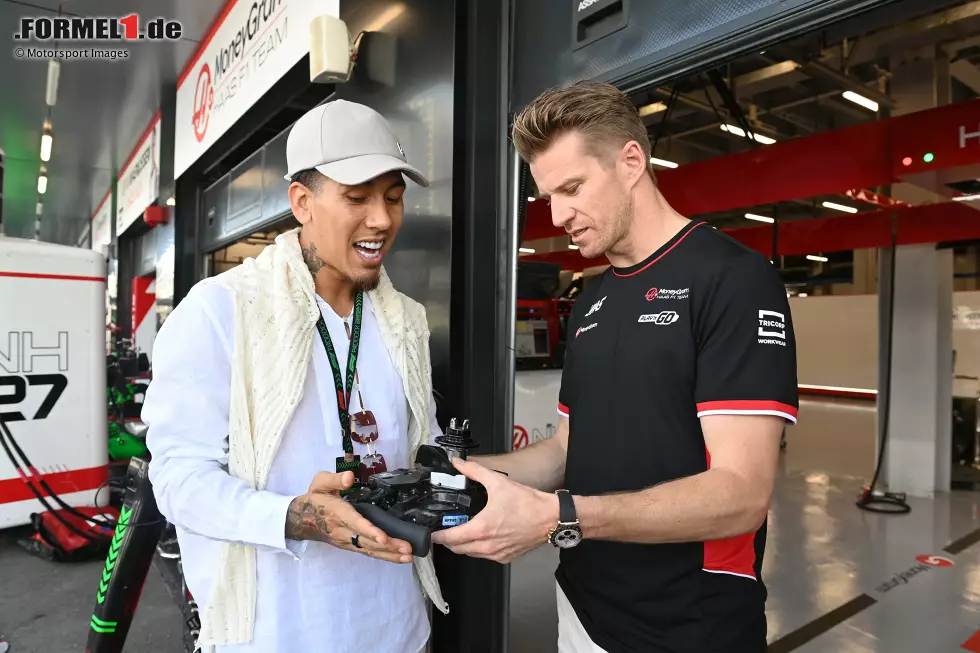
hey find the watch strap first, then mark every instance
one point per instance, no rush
(566, 507)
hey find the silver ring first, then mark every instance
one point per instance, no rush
(354, 539)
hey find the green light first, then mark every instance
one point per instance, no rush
(928, 158)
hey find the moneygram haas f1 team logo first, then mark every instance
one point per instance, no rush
(203, 102)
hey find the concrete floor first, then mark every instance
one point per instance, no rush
(45, 607)
(824, 557)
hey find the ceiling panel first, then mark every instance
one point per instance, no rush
(103, 107)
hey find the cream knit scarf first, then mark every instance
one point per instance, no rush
(275, 318)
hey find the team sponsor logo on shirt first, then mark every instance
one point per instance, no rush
(582, 330)
(664, 317)
(595, 307)
(772, 328)
(667, 293)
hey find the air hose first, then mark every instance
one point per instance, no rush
(871, 499)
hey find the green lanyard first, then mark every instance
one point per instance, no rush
(344, 393)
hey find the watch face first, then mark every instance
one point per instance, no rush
(566, 538)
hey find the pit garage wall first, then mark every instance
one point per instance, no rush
(837, 355)
(445, 102)
(837, 342)
(419, 105)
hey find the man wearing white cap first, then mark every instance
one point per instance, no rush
(275, 384)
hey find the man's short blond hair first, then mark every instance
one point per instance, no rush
(600, 112)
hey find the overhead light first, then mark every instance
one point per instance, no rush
(759, 218)
(39, 209)
(51, 91)
(531, 198)
(662, 162)
(42, 181)
(818, 259)
(967, 198)
(650, 109)
(840, 207)
(171, 201)
(573, 247)
(47, 140)
(802, 294)
(861, 100)
(738, 131)
(526, 250)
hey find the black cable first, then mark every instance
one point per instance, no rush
(870, 500)
(671, 102)
(95, 539)
(732, 105)
(6, 435)
(113, 484)
(44, 484)
(714, 107)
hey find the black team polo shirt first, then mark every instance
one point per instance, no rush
(701, 327)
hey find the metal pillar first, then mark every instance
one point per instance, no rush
(917, 455)
(482, 307)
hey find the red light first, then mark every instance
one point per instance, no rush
(907, 161)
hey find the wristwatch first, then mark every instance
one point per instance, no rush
(567, 533)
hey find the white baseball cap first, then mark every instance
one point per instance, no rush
(348, 142)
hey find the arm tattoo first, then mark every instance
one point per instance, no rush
(313, 262)
(306, 521)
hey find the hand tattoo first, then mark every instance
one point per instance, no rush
(313, 262)
(306, 521)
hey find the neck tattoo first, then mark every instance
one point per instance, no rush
(313, 262)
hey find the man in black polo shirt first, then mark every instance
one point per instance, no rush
(679, 377)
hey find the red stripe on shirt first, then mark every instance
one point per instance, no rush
(748, 405)
(679, 241)
(733, 555)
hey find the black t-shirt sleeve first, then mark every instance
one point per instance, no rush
(746, 345)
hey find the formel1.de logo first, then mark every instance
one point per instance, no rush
(203, 102)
